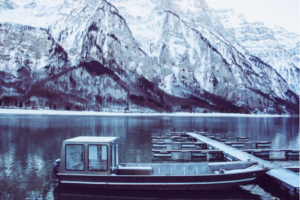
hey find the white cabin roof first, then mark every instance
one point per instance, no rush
(91, 139)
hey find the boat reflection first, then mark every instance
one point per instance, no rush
(63, 193)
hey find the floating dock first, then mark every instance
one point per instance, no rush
(188, 154)
(251, 144)
(286, 179)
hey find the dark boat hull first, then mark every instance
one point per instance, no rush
(150, 182)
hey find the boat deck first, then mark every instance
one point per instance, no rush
(189, 169)
(176, 169)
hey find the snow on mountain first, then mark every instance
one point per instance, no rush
(159, 55)
(290, 42)
(277, 47)
(36, 13)
(36, 68)
(7, 5)
(197, 15)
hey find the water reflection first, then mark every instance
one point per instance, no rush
(29, 144)
(89, 194)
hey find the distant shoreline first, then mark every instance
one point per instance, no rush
(94, 113)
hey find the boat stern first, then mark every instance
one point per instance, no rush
(55, 168)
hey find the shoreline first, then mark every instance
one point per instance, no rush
(94, 113)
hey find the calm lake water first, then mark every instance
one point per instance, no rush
(29, 144)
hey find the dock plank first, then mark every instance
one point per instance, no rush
(270, 150)
(257, 142)
(200, 143)
(183, 151)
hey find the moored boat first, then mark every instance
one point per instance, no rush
(93, 162)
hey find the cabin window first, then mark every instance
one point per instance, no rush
(97, 157)
(74, 157)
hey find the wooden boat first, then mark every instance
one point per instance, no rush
(93, 162)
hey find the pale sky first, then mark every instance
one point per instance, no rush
(285, 13)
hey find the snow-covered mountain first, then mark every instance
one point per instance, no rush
(7, 5)
(158, 55)
(276, 47)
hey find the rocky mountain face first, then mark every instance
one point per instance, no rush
(7, 5)
(276, 47)
(143, 56)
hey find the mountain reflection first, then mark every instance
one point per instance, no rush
(29, 144)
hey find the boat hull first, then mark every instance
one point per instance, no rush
(200, 182)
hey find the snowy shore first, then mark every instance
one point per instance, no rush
(94, 113)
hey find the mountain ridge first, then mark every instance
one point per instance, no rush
(94, 62)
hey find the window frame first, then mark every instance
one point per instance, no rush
(117, 155)
(113, 156)
(66, 157)
(88, 150)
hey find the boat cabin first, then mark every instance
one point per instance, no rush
(89, 155)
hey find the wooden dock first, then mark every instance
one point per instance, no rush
(179, 145)
(286, 179)
(188, 154)
(251, 144)
(204, 151)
